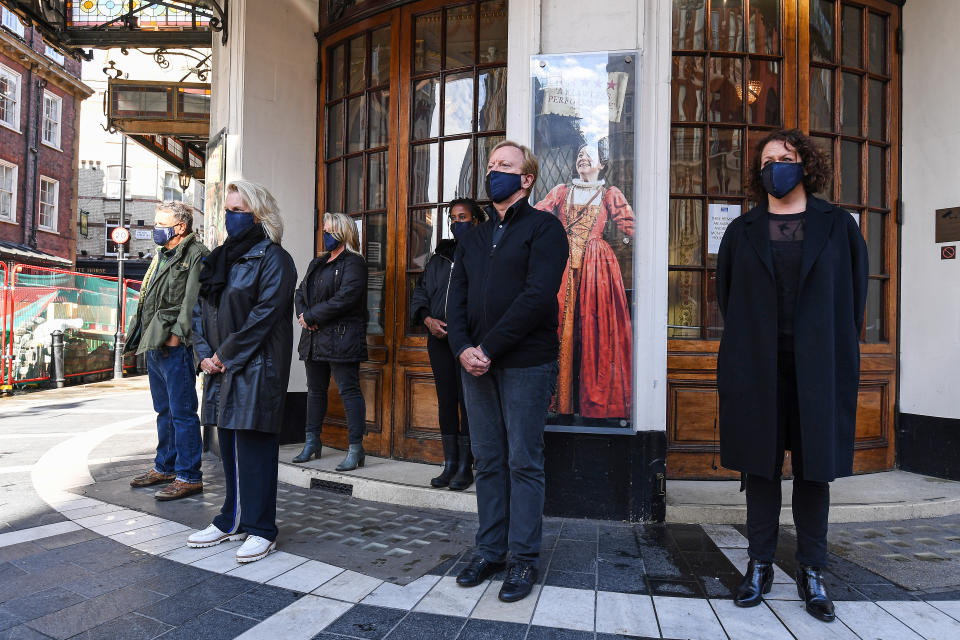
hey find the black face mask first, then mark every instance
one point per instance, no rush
(779, 178)
(500, 185)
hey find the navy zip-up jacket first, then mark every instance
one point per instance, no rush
(504, 297)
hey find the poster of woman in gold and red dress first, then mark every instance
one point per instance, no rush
(595, 328)
(584, 136)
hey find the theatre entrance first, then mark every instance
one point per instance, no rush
(741, 69)
(411, 101)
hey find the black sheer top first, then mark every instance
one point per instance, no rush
(786, 247)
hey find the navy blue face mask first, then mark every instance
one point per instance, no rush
(501, 186)
(779, 178)
(330, 242)
(163, 235)
(460, 228)
(238, 221)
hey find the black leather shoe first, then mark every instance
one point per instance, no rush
(521, 576)
(478, 570)
(757, 581)
(814, 594)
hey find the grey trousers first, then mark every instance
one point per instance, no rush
(507, 408)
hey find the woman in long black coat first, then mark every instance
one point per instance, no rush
(791, 285)
(428, 306)
(243, 342)
(331, 306)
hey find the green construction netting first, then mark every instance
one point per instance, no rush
(82, 306)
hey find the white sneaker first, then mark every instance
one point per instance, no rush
(212, 536)
(255, 548)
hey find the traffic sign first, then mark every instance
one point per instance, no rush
(120, 235)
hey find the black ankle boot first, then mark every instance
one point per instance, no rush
(355, 458)
(814, 594)
(311, 448)
(757, 581)
(464, 476)
(450, 459)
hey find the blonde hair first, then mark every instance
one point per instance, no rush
(344, 230)
(263, 206)
(530, 164)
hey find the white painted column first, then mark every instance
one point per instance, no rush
(265, 94)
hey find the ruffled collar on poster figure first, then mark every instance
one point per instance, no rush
(584, 184)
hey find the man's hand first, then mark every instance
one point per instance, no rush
(207, 365)
(219, 365)
(173, 340)
(303, 323)
(437, 328)
(474, 361)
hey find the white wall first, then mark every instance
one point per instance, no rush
(567, 26)
(930, 287)
(265, 94)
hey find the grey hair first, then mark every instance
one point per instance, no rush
(182, 212)
(263, 206)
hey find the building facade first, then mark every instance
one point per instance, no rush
(386, 109)
(39, 118)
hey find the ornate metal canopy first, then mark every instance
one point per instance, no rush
(126, 23)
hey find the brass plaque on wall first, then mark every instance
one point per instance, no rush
(948, 225)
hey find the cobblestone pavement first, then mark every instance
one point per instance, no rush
(111, 563)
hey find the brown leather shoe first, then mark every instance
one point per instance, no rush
(151, 478)
(178, 489)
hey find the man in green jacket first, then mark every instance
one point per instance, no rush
(161, 330)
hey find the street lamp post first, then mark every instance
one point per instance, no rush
(118, 348)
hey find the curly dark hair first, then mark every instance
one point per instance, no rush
(476, 211)
(818, 173)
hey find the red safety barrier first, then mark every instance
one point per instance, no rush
(6, 330)
(41, 300)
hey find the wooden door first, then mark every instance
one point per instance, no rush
(740, 70)
(412, 100)
(452, 103)
(357, 148)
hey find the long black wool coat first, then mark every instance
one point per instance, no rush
(829, 317)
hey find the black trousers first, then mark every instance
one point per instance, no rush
(250, 460)
(811, 500)
(446, 376)
(347, 377)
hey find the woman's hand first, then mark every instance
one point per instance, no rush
(212, 365)
(437, 328)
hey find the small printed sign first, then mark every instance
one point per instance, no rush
(947, 227)
(719, 218)
(142, 234)
(948, 252)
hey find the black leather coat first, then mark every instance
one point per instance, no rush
(829, 316)
(429, 297)
(252, 334)
(333, 296)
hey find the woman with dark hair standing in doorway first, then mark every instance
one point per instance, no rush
(791, 284)
(331, 306)
(429, 308)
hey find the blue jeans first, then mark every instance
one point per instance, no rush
(507, 409)
(173, 387)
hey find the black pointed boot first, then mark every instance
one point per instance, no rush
(814, 593)
(757, 581)
(311, 448)
(464, 475)
(451, 456)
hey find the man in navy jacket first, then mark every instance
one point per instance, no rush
(502, 324)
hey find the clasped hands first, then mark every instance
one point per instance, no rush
(303, 323)
(437, 328)
(474, 361)
(212, 365)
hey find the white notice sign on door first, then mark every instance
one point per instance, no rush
(719, 217)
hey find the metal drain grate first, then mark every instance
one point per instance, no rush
(329, 485)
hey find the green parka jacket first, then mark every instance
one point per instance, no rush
(166, 303)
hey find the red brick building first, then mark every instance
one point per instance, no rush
(40, 95)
